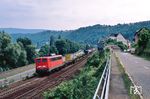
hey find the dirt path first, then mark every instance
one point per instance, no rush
(117, 88)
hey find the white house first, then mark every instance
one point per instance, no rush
(119, 37)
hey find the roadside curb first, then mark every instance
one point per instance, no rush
(140, 95)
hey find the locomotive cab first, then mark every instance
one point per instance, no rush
(46, 64)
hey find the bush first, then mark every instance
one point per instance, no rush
(13, 55)
(119, 44)
(143, 45)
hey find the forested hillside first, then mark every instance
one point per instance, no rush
(20, 30)
(90, 34)
(40, 38)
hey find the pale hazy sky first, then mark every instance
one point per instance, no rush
(71, 14)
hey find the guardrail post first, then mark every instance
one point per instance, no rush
(108, 81)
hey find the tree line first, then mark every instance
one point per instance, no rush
(143, 45)
(89, 34)
(17, 54)
(23, 52)
(59, 46)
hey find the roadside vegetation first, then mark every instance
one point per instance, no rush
(143, 44)
(84, 84)
(115, 42)
(127, 80)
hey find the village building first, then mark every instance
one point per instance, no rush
(120, 38)
(137, 34)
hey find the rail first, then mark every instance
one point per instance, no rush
(102, 89)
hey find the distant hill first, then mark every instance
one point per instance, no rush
(90, 34)
(40, 37)
(19, 30)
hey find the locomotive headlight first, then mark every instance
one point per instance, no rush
(44, 66)
(41, 66)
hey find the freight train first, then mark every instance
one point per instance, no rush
(49, 63)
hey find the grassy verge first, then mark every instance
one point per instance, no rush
(127, 80)
(145, 57)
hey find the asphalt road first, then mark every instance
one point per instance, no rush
(139, 69)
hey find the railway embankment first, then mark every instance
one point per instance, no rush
(32, 88)
(82, 85)
(14, 75)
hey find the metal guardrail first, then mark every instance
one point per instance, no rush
(102, 90)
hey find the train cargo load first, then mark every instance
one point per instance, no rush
(69, 57)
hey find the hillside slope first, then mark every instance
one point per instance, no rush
(90, 34)
(20, 31)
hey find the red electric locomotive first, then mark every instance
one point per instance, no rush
(45, 64)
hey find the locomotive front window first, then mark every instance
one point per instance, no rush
(38, 60)
(44, 60)
(55, 59)
(58, 58)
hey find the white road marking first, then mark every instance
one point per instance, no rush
(146, 67)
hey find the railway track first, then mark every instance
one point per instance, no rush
(34, 88)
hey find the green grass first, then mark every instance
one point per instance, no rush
(145, 57)
(126, 79)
